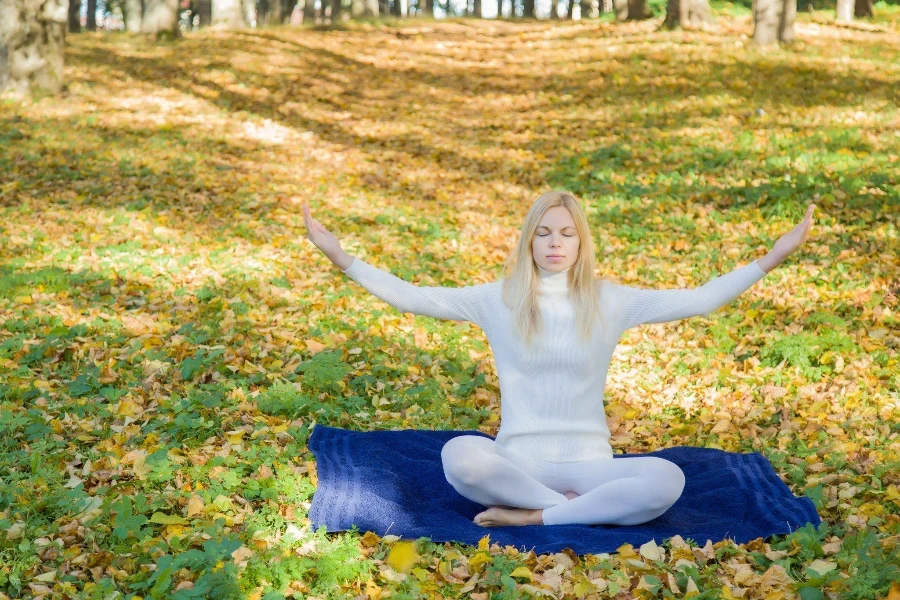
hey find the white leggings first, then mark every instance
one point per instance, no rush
(621, 491)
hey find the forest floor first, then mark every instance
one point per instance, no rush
(160, 305)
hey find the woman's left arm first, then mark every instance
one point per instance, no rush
(636, 306)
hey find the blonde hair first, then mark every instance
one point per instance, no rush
(521, 284)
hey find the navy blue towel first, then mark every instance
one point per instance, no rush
(392, 482)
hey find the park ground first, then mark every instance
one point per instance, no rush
(168, 337)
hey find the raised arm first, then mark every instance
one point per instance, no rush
(456, 304)
(634, 306)
(452, 303)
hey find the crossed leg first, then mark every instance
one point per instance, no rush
(522, 491)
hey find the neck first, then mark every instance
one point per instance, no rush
(554, 281)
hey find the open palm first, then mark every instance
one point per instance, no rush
(323, 239)
(794, 238)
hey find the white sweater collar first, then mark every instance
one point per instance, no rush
(553, 281)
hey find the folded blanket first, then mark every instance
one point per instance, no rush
(392, 482)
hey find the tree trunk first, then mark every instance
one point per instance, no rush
(32, 45)
(476, 9)
(74, 16)
(570, 10)
(428, 9)
(309, 11)
(133, 13)
(287, 9)
(863, 8)
(843, 11)
(606, 6)
(371, 9)
(528, 10)
(91, 23)
(357, 9)
(687, 13)
(621, 7)
(773, 20)
(336, 11)
(227, 14)
(161, 18)
(204, 12)
(638, 10)
(248, 8)
(589, 9)
(554, 9)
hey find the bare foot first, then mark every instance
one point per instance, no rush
(571, 495)
(496, 516)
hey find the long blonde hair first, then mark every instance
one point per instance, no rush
(521, 284)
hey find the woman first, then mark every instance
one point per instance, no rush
(552, 327)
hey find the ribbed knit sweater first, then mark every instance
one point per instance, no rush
(551, 397)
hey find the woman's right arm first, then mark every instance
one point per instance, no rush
(452, 303)
(456, 304)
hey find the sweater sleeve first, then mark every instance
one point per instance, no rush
(636, 306)
(455, 304)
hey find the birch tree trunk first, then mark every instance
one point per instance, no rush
(357, 9)
(161, 18)
(843, 11)
(773, 20)
(133, 13)
(32, 44)
(589, 9)
(227, 14)
(371, 8)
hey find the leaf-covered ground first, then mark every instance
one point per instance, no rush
(168, 337)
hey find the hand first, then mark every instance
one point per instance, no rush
(794, 238)
(324, 240)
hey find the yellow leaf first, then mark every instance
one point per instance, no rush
(420, 573)
(314, 347)
(403, 556)
(195, 505)
(128, 408)
(894, 594)
(893, 493)
(234, 437)
(479, 559)
(522, 572)
(691, 589)
(164, 519)
(821, 566)
(485, 542)
(651, 551)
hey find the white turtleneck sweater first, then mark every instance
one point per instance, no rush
(551, 398)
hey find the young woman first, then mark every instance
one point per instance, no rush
(553, 326)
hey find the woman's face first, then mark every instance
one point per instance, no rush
(555, 242)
